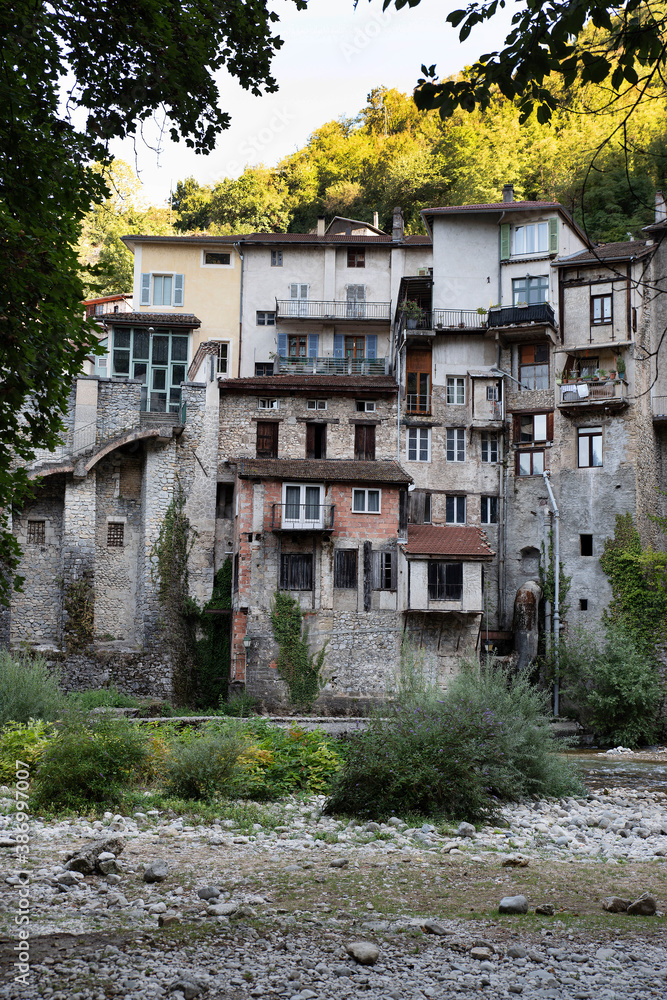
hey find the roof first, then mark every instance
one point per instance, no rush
(355, 222)
(627, 250)
(278, 239)
(323, 470)
(119, 297)
(446, 540)
(308, 384)
(493, 206)
(187, 320)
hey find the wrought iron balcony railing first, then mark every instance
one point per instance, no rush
(540, 312)
(333, 366)
(331, 309)
(302, 516)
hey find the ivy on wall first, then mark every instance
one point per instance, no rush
(79, 605)
(213, 648)
(299, 668)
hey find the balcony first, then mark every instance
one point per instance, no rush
(333, 366)
(539, 312)
(436, 321)
(659, 407)
(583, 394)
(488, 413)
(301, 517)
(327, 311)
(418, 402)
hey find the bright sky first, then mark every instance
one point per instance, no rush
(332, 58)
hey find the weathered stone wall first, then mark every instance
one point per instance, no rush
(119, 477)
(118, 405)
(136, 672)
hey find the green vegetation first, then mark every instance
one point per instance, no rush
(199, 767)
(106, 697)
(299, 668)
(485, 740)
(24, 741)
(279, 761)
(28, 689)
(213, 649)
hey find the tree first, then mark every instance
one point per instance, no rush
(76, 74)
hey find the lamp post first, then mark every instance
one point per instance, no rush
(247, 642)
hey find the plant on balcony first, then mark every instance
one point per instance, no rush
(620, 367)
(481, 311)
(413, 313)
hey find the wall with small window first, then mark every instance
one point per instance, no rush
(37, 526)
(445, 583)
(600, 305)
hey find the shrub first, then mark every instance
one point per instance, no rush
(89, 762)
(28, 689)
(107, 697)
(201, 766)
(300, 669)
(485, 740)
(241, 705)
(25, 741)
(280, 761)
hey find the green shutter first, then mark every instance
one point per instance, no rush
(553, 235)
(504, 241)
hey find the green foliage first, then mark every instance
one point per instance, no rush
(614, 686)
(486, 740)
(106, 697)
(202, 766)
(241, 705)
(213, 649)
(301, 669)
(278, 761)
(89, 762)
(638, 579)
(414, 681)
(79, 605)
(28, 689)
(24, 741)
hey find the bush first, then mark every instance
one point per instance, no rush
(106, 697)
(24, 741)
(28, 689)
(280, 761)
(487, 739)
(89, 762)
(202, 766)
(613, 685)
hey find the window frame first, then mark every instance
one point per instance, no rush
(319, 404)
(456, 383)
(528, 370)
(303, 521)
(288, 563)
(418, 433)
(36, 531)
(533, 289)
(457, 504)
(267, 403)
(457, 436)
(219, 253)
(223, 348)
(268, 317)
(384, 569)
(357, 256)
(602, 321)
(520, 455)
(276, 258)
(264, 365)
(489, 505)
(365, 405)
(524, 227)
(490, 444)
(348, 574)
(356, 491)
(591, 434)
(437, 588)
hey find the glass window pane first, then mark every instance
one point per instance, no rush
(412, 445)
(538, 463)
(160, 350)
(139, 370)
(540, 427)
(293, 499)
(530, 239)
(159, 378)
(157, 291)
(597, 450)
(158, 402)
(519, 239)
(423, 446)
(166, 290)
(121, 338)
(524, 463)
(140, 347)
(542, 236)
(449, 510)
(583, 451)
(312, 503)
(177, 374)
(179, 348)
(460, 510)
(121, 362)
(373, 500)
(359, 500)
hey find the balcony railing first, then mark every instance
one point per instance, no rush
(587, 392)
(659, 405)
(416, 402)
(333, 366)
(323, 309)
(540, 312)
(444, 320)
(302, 517)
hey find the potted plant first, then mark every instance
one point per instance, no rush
(602, 373)
(620, 367)
(413, 313)
(481, 311)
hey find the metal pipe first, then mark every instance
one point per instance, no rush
(556, 514)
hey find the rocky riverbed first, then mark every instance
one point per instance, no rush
(269, 901)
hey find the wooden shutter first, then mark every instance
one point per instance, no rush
(282, 345)
(504, 241)
(345, 569)
(145, 297)
(372, 346)
(553, 235)
(339, 345)
(267, 439)
(550, 426)
(403, 513)
(179, 289)
(364, 443)
(313, 344)
(516, 428)
(368, 575)
(416, 499)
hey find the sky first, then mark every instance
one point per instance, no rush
(332, 58)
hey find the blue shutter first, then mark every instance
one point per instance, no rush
(372, 346)
(102, 363)
(313, 344)
(339, 345)
(145, 297)
(282, 345)
(179, 289)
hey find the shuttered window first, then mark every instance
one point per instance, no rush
(364, 443)
(296, 571)
(384, 569)
(345, 569)
(267, 439)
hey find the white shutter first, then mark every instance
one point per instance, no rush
(145, 296)
(179, 289)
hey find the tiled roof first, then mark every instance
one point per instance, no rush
(153, 319)
(627, 250)
(417, 239)
(492, 206)
(439, 540)
(322, 470)
(275, 384)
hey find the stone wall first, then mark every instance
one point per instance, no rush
(135, 672)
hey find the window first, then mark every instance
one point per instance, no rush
(365, 405)
(534, 366)
(588, 367)
(223, 359)
(590, 447)
(224, 500)
(489, 447)
(530, 427)
(418, 444)
(355, 347)
(162, 289)
(456, 444)
(356, 306)
(276, 258)
(455, 510)
(267, 439)
(489, 510)
(302, 506)
(492, 393)
(263, 368)
(586, 545)
(530, 463)
(316, 404)
(296, 571)
(583, 604)
(345, 569)
(356, 258)
(298, 294)
(218, 259)
(445, 581)
(158, 360)
(316, 440)
(456, 390)
(383, 565)
(366, 501)
(420, 507)
(264, 318)
(533, 238)
(115, 535)
(364, 443)
(601, 314)
(530, 290)
(36, 532)
(418, 380)
(267, 404)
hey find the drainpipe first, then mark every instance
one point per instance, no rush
(236, 247)
(556, 612)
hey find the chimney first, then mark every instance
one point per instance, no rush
(508, 192)
(397, 228)
(660, 207)
(321, 225)
(376, 220)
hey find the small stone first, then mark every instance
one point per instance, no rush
(338, 863)
(107, 867)
(515, 988)
(481, 954)
(363, 952)
(156, 872)
(545, 910)
(644, 906)
(515, 861)
(434, 927)
(466, 830)
(516, 951)
(167, 919)
(156, 908)
(7, 842)
(513, 904)
(614, 904)
(189, 989)
(342, 970)
(106, 856)
(208, 892)
(69, 878)
(222, 909)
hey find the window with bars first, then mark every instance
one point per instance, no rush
(489, 447)
(489, 510)
(456, 390)
(296, 571)
(345, 569)
(445, 581)
(36, 532)
(115, 534)
(456, 444)
(267, 439)
(455, 510)
(418, 444)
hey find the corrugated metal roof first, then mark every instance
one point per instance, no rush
(447, 540)
(322, 470)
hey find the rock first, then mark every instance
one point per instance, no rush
(363, 952)
(108, 867)
(69, 878)
(156, 908)
(466, 830)
(614, 904)
(545, 910)
(434, 927)
(515, 861)
(513, 904)
(187, 987)
(338, 863)
(516, 951)
(222, 909)
(7, 842)
(156, 872)
(208, 892)
(86, 860)
(481, 954)
(106, 856)
(167, 919)
(342, 970)
(395, 821)
(645, 906)
(373, 827)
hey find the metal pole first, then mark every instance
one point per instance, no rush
(556, 514)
